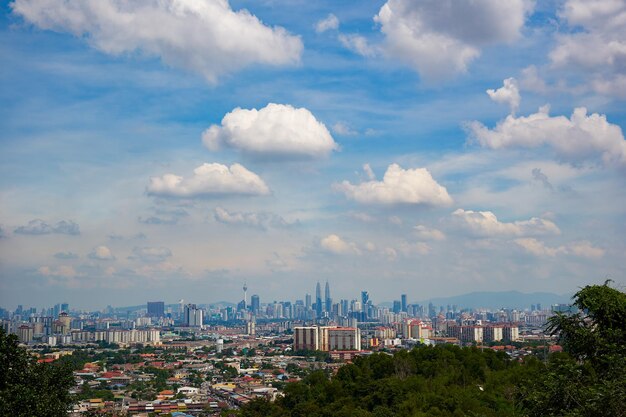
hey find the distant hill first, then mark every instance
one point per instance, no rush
(499, 299)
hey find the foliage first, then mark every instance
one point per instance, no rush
(32, 389)
(589, 378)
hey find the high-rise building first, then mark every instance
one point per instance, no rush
(397, 306)
(255, 304)
(307, 301)
(328, 302)
(318, 300)
(193, 316)
(65, 307)
(403, 302)
(365, 297)
(156, 309)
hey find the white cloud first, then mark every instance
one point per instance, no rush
(441, 37)
(597, 45)
(209, 180)
(486, 224)
(334, 244)
(428, 233)
(579, 138)
(399, 186)
(358, 44)
(203, 36)
(364, 217)
(507, 94)
(63, 271)
(342, 128)
(369, 172)
(257, 220)
(40, 227)
(101, 253)
(420, 248)
(152, 254)
(585, 249)
(330, 22)
(275, 130)
(582, 249)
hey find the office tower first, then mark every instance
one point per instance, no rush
(57, 310)
(156, 309)
(365, 297)
(397, 306)
(65, 307)
(403, 302)
(193, 316)
(327, 300)
(318, 300)
(307, 301)
(255, 304)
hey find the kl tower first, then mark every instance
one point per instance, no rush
(245, 295)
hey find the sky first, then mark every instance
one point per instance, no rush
(167, 150)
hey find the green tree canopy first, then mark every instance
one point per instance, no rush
(32, 389)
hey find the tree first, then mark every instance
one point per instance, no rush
(32, 389)
(588, 379)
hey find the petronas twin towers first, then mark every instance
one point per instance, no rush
(320, 306)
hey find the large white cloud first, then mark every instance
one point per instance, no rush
(209, 180)
(486, 224)
(597, 46)
(203, 36)
(579, 138)
(276, 130)
(399, 186)
(441, 37)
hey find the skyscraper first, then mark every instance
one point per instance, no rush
(328, 302)
(245, 295)
(255, 304)
(365, 297)
(156, 309)
(403, 301)
(318, 300)
(307, 301)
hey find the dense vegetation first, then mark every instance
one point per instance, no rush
(588, 379)
(31, 389)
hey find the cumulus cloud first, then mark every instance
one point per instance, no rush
(581, 137)
(336, 245)
(358, 44)
(101, 253)
(152, 254)
(66, 255)
(486, 224)
(255, 220)
(330, 22)
(276, 130)
(428, 233)
(40, 227)
(507, 94)
(399, 186)
(582, 249)
(597, 44)
(203, 36)
(441, 37)
(209, 180)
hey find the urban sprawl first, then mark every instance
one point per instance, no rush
(194, 359)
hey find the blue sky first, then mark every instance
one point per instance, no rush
(408, 148)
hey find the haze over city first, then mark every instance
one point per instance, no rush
(380, 146)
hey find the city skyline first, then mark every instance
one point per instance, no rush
(382, 146)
